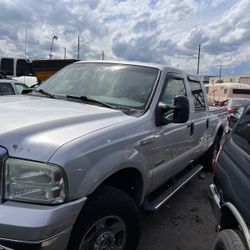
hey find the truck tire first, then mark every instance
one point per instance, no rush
(110, 220)
(228, 239)
(208, 158)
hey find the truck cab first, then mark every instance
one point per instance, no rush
(96, 141)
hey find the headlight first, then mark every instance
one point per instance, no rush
(33, 182)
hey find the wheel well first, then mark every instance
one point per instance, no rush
(220, 132)
(128, 180)
(228, 220)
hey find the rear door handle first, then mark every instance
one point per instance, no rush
(207, 125)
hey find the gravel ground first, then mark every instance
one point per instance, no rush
(186, 222)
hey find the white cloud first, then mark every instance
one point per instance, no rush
(164, 31)
(215, 3)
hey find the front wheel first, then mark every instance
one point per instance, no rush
(110, 221)
(228, 239)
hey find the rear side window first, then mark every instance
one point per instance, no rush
(6, 89)
(198, 96)
(241, 133)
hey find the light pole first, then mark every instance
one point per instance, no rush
(221, 67)
(79, 46)
(102, 56)
(51, 47)
(65, 51)
(198, 60)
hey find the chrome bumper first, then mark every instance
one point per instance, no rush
(28, 226)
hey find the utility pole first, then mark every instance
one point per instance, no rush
(78, 48)
(221, 67)
(220, 72)
(65, 50)
(25, 45)
(198, 60)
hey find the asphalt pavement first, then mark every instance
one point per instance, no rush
(186, 222)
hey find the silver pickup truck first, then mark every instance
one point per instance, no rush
(80, 154)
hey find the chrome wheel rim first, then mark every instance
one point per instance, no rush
(108, 233)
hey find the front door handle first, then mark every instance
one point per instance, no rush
(191, 126)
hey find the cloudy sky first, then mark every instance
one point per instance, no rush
(161, 31)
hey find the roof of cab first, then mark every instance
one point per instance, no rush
(136, 63)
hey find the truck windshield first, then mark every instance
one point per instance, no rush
(115, 84)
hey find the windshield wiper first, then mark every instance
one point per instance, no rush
(90, 100)
(43, 92)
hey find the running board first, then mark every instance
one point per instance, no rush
(154, 205)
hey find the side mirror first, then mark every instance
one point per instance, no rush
(181, 109)
(179, 113)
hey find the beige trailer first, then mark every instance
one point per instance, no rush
(220, 93)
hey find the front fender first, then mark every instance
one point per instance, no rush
(228, 206)
(112, 164)
(87, 172)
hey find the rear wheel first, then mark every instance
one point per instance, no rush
(228, 239)
(110, 221)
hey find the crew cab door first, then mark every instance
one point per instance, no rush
(199, 117)
(173, 141)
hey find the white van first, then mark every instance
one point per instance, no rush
(19, 69)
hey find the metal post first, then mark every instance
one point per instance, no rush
(65, 51)
(51, 47)
(25, 45)
(78, 48)
(220, 72)
(198, 62)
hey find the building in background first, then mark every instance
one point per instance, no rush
(234, 79)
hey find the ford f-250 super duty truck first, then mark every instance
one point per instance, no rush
(82, 152)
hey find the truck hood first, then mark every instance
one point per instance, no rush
(35, 127)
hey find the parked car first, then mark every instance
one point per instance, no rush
(235, 108)
(230, 193)
(234, 104)
(11, 87)
(83, 151)
(235, 116)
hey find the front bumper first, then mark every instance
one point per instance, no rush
(215, 201)
(28, 226)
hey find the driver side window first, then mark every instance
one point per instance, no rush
(174, 87)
